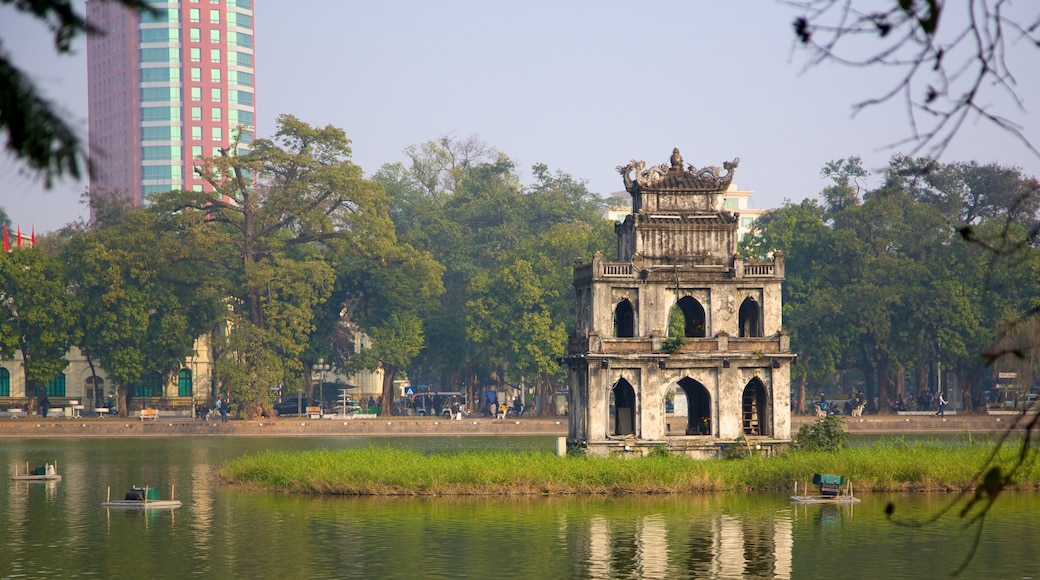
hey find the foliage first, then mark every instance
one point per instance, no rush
(507, 250)
(142, 310)
(36, 133)
(37, 315)
(276, 220)
(826, 434)
(383, 471)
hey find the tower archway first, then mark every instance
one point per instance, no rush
(750, 317)
(699, 415)
(624, 319)
(623, 408)
(755, 409)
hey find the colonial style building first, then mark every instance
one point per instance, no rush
(679, 342)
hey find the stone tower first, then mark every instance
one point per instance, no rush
(680, 341)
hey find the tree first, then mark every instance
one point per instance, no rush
(387, 298)
(37, 316)
(36, 133)
(275, 222)
(143, 308)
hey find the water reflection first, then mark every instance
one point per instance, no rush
(58, 529)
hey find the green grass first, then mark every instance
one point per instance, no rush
(884, 467)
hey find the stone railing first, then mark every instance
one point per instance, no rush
(617, 269)
(759, 270)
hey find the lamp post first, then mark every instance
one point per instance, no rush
(322, 366)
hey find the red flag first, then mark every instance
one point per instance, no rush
(7, 244)
(32, 240)
(18, 242)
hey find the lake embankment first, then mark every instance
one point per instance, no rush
(179, 425)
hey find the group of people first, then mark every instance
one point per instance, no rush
(222, 405)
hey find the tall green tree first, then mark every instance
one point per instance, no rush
(278, 218)
(37, 316)
(143, 305)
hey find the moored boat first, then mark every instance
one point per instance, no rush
(141, 498)
(45, 472)
(833, 489)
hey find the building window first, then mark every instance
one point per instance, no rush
(161, 153)
(240, 20)
(196, 74)
(240, 39)
(214, 36)
(166, 55)
(193, 15)
(196, 113)
(56, 388)
(160, 75)
(184, 388)
(159, 16)
(195, 35)
(241, 117)
(196, 93)
(196, 151)
(218, 134)
(214, 95)
(216, 114)
(214, 75)
(196, 54)
(214, 16)
(241, 98)
(161, 94)
(162, 133)
(163, 35)
(242, 59)
(214, 55)
(162, 172)
(196, 133)
(160, 113)
(5, 382)
(240, 78)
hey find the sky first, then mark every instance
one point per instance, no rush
(580, 86)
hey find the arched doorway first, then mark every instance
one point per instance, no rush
(755, 409)
(750, 318)
(694, 320)
(624, 319)
(623, 408)
(698, 404)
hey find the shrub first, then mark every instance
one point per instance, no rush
(827, 434)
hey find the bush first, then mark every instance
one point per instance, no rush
(827, 434)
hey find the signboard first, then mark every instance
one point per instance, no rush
(1006, 375)
(409, 391)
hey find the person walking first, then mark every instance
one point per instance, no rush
(942, 406)
(222, 404)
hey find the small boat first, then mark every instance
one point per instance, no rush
(833, 489)
(45, 472)
(142, 498)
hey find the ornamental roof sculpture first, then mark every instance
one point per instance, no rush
(674, 178)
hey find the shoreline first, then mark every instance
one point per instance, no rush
(179, 426)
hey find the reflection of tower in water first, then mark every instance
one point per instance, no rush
(715, 546)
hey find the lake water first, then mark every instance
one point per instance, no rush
(60, 530)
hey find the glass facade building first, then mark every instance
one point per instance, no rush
(165, 88)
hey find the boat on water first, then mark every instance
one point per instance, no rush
(141, 498)
(45, 472)
(833, 489)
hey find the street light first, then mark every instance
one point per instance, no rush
(322, 367)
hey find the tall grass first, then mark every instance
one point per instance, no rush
(887, 466)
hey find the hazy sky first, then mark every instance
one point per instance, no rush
(581, 86)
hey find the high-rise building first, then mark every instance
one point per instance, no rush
(165, 88)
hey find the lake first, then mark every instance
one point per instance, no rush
(60, 530)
